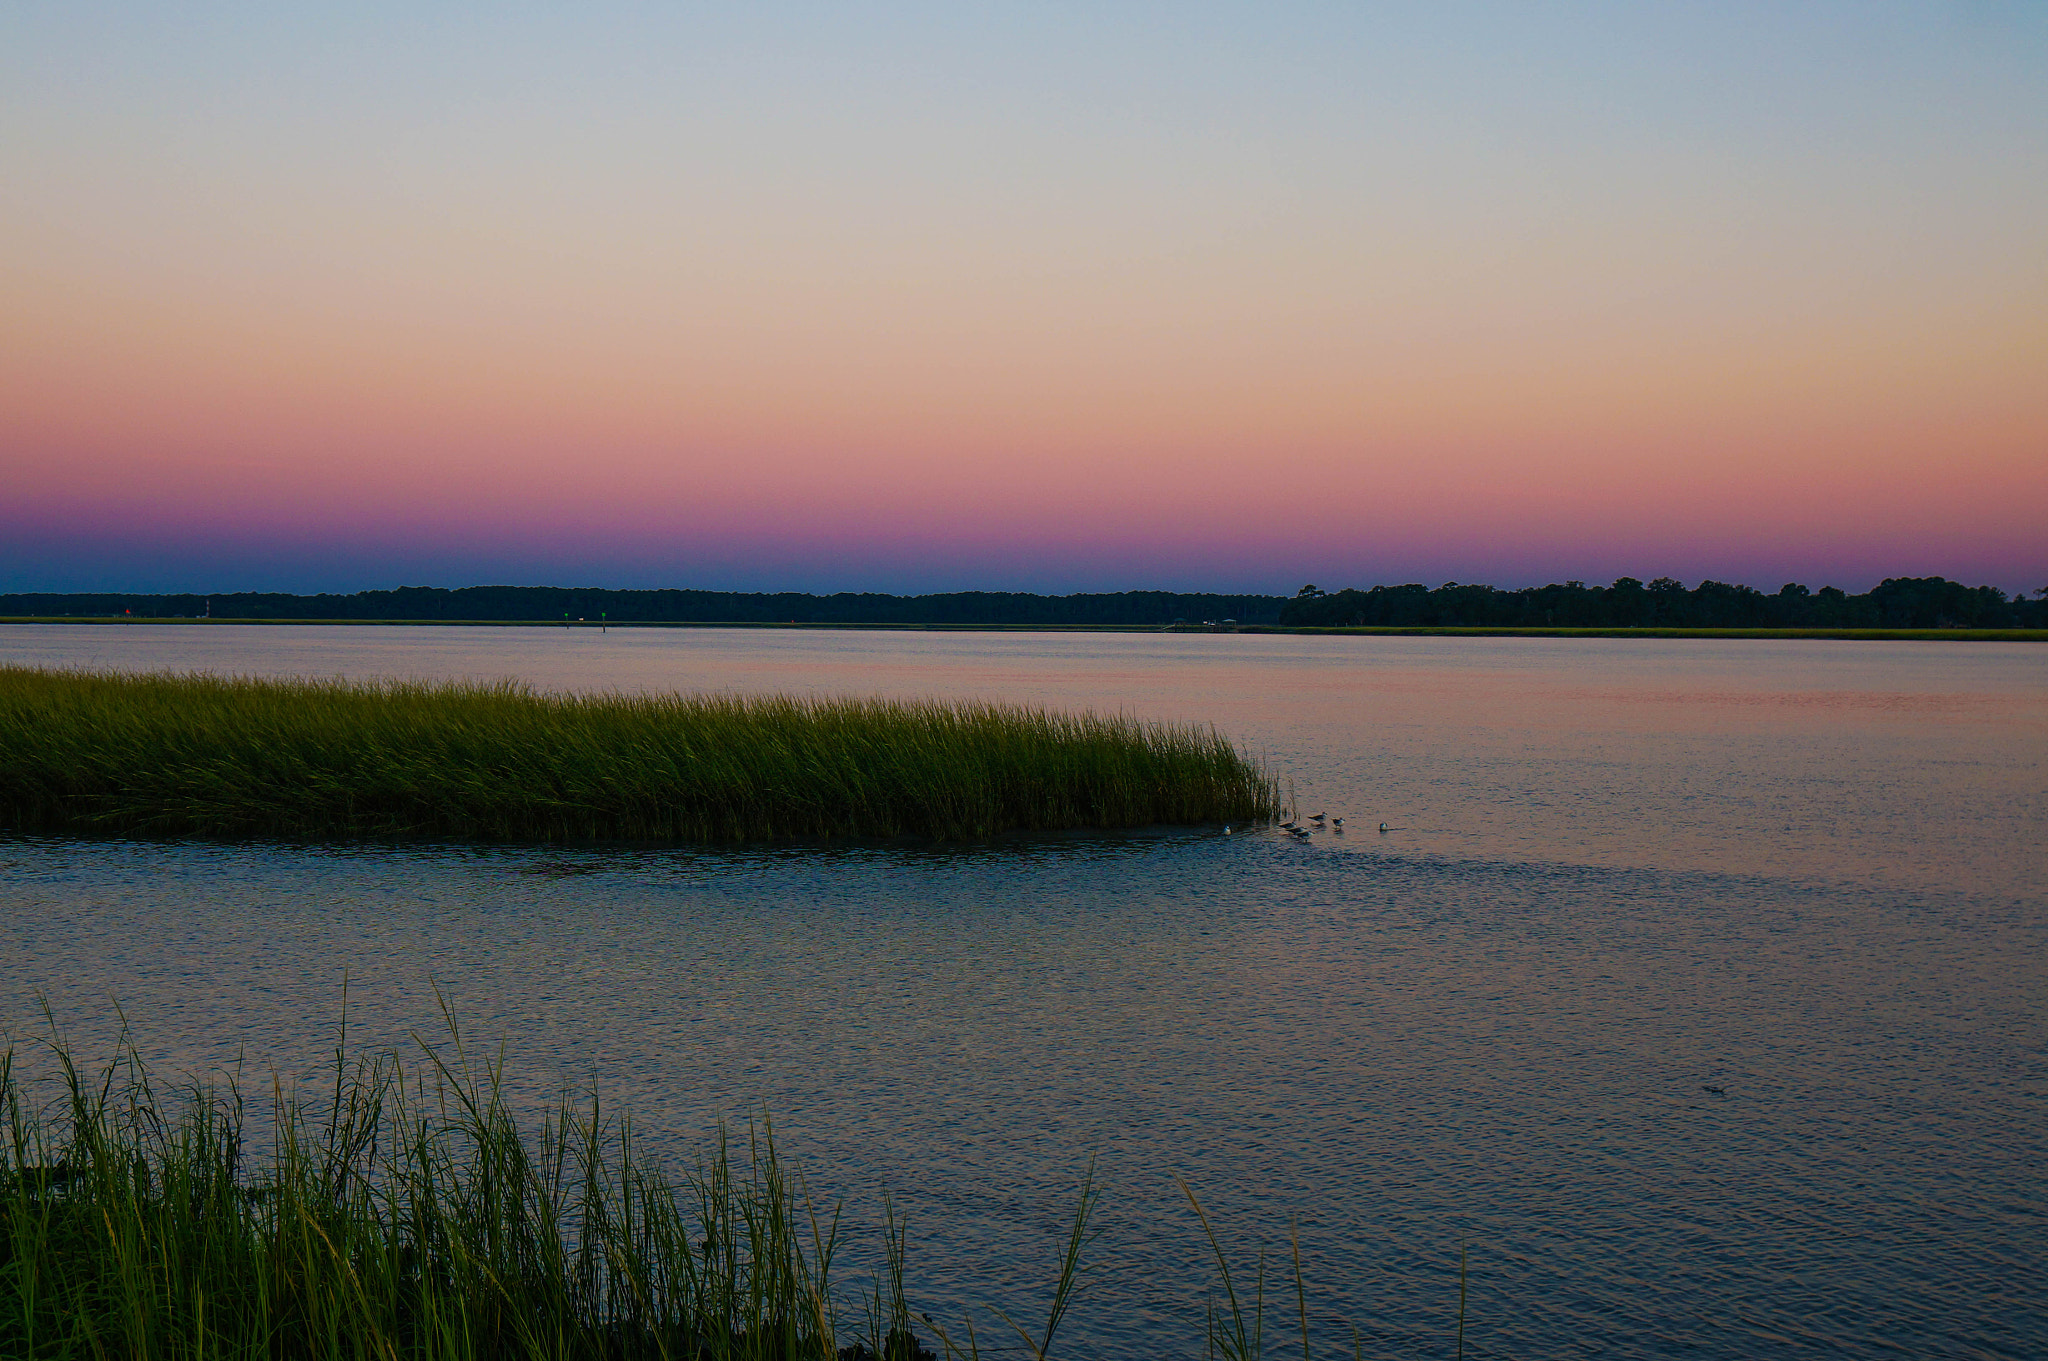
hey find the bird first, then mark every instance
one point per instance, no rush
(1300, 833)
(1383, 826)
(1288, 825)
(1338, 823)
(1315, 817)
(1717, 1091)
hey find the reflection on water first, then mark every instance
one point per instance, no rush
(1700, 989)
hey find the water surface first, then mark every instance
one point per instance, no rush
(1620, 874)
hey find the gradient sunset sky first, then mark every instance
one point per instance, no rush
(1041, 297)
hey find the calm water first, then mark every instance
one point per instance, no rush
(1620, 873)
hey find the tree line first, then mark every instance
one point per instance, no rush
(1896, 603)
(1899, 602)
(533, 603)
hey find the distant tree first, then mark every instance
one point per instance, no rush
(1667, 602)
(1625, 605)
(1792, 606)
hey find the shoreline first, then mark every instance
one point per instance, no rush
(1864, 635)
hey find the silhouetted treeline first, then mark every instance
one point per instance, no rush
(1898, 603)
(628, 607)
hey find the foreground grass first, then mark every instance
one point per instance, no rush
(405, 1215)
(409, 1219)
(199, 755)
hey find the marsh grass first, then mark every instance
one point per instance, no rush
(405, 1216)
(402, 1213)
(212, 756)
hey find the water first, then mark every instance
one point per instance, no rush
(1620, 874)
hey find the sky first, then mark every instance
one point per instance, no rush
(1044, 297)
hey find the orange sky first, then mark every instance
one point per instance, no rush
(1020, 301)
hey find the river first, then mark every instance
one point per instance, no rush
(1695, 988)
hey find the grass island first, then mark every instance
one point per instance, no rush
(103, 753)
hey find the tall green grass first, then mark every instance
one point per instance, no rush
(408, 1218)
(201, 755)
(404, 1214)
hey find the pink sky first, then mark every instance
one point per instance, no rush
(1329, 303)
